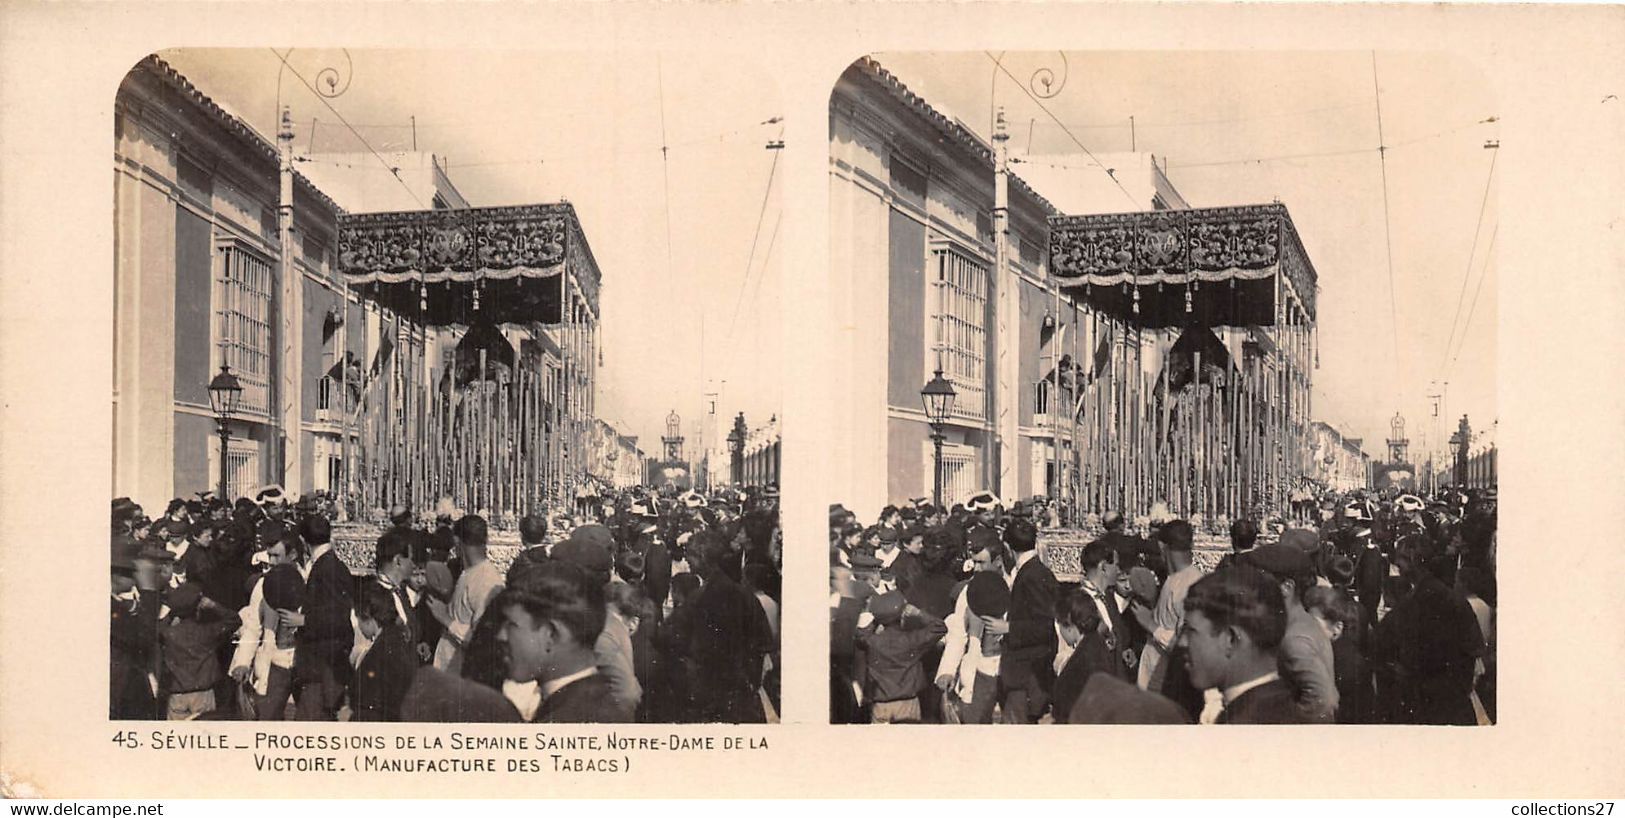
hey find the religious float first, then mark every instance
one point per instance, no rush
(1221, 303)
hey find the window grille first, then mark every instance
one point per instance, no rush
(961, 322)
(958, 478)
(242, 470)
(242, 301)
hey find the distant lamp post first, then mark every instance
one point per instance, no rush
(225, 391)
(938, 397)
(736, 450)
(1458, 448)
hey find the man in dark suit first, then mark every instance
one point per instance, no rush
(393, 561)
(552, 615)
(321, 665)
(1026, 671)
(1101, 572)
(133, 631)
(391, 662)
(1234, 621)
(731, 635)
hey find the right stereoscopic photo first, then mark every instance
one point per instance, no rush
(1168, 389)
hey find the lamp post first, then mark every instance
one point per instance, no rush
(938, 396)
(736, 450)
(1458, 447)
(224, 393)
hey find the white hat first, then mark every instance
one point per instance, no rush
(983, 501)
(1411, 502)
(694, 499)
(271, 493)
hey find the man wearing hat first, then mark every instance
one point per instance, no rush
(984, 510)
(590, 549)
(731, 636)
(1305, 651)
(968, 671)
(134, 632)
(897, 638)
(1370, 570)
(1426, 648)
(656, 557)
(191, 638)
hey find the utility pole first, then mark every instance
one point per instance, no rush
(290, 309)
(1007, 390)
(1433, 444)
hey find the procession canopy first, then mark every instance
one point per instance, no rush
(1215, 266)
(470, 265)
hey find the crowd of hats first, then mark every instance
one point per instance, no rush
(926, 557)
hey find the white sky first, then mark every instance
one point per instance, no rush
(523, 127)
(1200, 109)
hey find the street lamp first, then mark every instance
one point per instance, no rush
(1458, 448)
(224, 393)
(938, 397)
(736, 450)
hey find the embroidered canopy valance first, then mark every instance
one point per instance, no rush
(462, 266)
(1218, 266)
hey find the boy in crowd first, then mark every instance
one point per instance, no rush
(897, 640)
(191, 643)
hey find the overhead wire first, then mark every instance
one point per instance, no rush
(1473, 307)
(1387, 235)
(1230, 121)
(756, 236)
(1064, 129)
(1466, 273)
(394, 171)
(722, 137)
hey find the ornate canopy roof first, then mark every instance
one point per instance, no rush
(499, 264)
(1215, 266)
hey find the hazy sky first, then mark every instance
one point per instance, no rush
(1209, 113)
(524, 127)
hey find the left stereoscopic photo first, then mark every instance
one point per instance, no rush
(445, 388)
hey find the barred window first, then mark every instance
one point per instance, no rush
(243, 321)
(242, 469)
(958, 478)
(961, 321)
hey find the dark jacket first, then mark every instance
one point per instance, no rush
(1091, 656)
(656, 570)
(1273, 702)
(894, 654)
(731, 634)
(191, 650)
(1032, 616)
(437, 696)
(134, 649)
(1370, 572)
(326, 637)
(1426, 646)
(1355, 693)
(385, 674)
(583, 701)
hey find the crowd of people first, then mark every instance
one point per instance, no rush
(644, 605)
(1377, 608)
